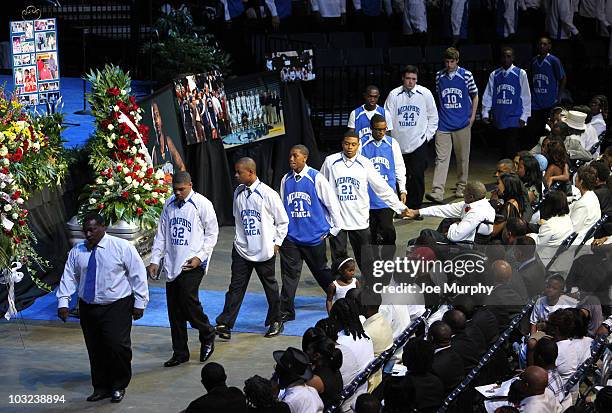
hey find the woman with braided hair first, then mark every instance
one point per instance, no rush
(261, 398)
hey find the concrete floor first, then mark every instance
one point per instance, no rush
(49, 358)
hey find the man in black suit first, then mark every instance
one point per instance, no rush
(428, 388)
(505, 302)
(447, 364)
(219, 398)
(469, 348)
(529, 266)
(479, 318)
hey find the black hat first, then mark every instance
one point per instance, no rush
(295, 362)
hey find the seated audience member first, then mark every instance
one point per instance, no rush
(604, 195)
(479, 318)
(533, 384)
(555, 222)
(581, 343)
(351, 339)
(475, 216)
(447, 364)
(553, 300)
(429, 391)
(528, 170)
(510, 190)
(219, 397)
(399, 396)
(260, 397)
(505, 301)
(292, 371)
(378, 329)
(326, 361)
(504, 166)
(366, 403)
(515, 227)
(545, 356)
(603, 400)
(558, 166)
(469, 348)
(529, 266)
(599, 113)
(579, 130)
(560, 326)
(585, 212)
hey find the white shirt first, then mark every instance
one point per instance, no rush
(351, 178)
(541, 309)
(588, 138)
(509, 17)
(185, 232)
(584, 213)
(594, 9)
(398, 159)
(560, 18)
(350, 368)
(261, 221)
(553, 231)
(415, 17)
(464, 230)
(541, 403)
(457, 15)
(120, 272)
(487, 97)
(327, 196)
(414, 116)
(567, 359)
(329, 8)
(303, 399)
(598, 123)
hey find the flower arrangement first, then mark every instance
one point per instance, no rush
(30, 159)
(126, 187)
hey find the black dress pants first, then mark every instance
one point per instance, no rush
(360, 241)
(416, 163)
(107, 329)
(241, 274)
(182, 295)
(292, 256)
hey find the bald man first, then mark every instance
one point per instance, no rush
(470, 349)
(447, 364)
(261, 227)
(505, 302)
(538, 398)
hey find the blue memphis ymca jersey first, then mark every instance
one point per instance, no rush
(507, 102)
(362, 121)
(381, 156)
(454, 95)
(307, 215)
(546, 76)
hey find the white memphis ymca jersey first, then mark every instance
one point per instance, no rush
(261, 221)
(185, 231)
(350, 179)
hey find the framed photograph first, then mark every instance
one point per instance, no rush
(292, 65)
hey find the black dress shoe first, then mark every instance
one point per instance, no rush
(275, 329)
(117, 396)
(96, 396)
(223, 331)
(206, 350)
(174, 361)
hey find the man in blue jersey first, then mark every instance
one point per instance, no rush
(314, 213)
(386, 155)
(457, 103)
(507, 101)
(547, 83)
(359, 119)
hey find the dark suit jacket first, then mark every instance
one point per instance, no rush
(505, 303)
(429, 391)
(448, 366)
(468, 349)
(221, 399)
(534, 277)
(487, 323)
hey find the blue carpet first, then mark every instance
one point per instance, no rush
(252, 315)
(78, 127)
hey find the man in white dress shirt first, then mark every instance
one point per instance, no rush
(415, 121)
(475, 215)
(533, 384)
(351, 175)
(261, 227)
(111, 281)
(186, 236)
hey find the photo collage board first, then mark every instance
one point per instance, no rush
(35, 61)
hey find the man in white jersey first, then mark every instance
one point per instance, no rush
(415, 121)
(186, 236)
(261, 227)
(351, 174)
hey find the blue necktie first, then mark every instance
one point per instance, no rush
(89, 291)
